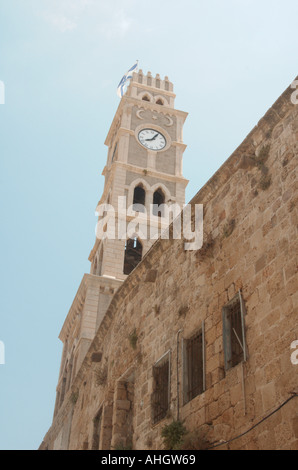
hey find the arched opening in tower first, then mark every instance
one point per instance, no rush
(158, 200)
(139, 197)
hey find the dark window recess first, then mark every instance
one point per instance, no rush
(158, 200)
(160, 395)
(194, 367)
(133, 255)
(145, 98)
(233, 332)
(160, 102)
(139, 196)
(96, 430)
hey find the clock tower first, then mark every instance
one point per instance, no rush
(144, 166)
(143, 173)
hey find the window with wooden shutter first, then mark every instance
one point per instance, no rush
(139, 197)
(194, 365)
(234, 332)
(160, 399)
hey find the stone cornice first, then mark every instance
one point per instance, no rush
(152, 88)
(89, 280)
(150, 172)
(156, 107)
(140, 171)
(94, 250)
(74, 310)
(114, 122)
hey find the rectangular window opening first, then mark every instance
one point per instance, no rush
(161, 389)
(233, 331)
(193, 366)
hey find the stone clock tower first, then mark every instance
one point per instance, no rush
(144, 165)
(144, 168)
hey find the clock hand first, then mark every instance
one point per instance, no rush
(153, 138)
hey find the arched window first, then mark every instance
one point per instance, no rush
(158, 199)
(145, 98)
(160, 102)
(133, 254)
(139, 197)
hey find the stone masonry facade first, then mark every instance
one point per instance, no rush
(250, 248)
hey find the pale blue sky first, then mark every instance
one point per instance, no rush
(61, 61)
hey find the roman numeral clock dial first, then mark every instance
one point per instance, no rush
(151, 139)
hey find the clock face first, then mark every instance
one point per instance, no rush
(151, 139)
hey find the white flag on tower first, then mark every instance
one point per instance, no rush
(125, 78)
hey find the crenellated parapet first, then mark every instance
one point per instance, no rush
(155, 90)
(151, 81)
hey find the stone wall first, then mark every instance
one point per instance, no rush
(250, 245)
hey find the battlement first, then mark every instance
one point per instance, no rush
(152, 89)
(155, 82)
